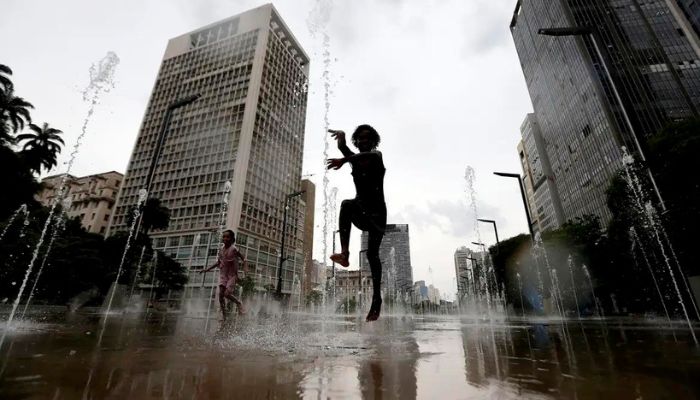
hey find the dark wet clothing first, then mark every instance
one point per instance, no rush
(367, 211)
(368, 176)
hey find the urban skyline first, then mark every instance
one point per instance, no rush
(441, 223)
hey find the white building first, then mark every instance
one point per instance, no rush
(247, 128)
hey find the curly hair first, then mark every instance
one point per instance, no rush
(373, 134)
(230, 232)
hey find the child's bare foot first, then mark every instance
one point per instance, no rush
(341, 259)
(374, 310)
(241, 310)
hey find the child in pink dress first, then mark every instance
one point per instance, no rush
(227, 261)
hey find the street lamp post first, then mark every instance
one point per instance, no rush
(490, 221)
(592, 33)
(360, 263)
(522, 193)
(159, 146)
(333, 264)
(284, 234)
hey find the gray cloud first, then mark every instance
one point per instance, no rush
(485, 28)
(451, 217)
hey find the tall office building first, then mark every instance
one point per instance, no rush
(542, 195)
(463, 267)
(655, 71)
(690, 10)
(309, 199)
(247, 128)
(528, 184)
(395, 255)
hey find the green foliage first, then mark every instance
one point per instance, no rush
(348, 305)
(314, 297)
(270, 288)
(17, 176)
(170, 275)
(79, 262)
(248, 285)
(154, 215)
(673, 157)
(41, 147)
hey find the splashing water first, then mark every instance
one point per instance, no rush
(222, 226)
(58, 227)
(570, 261)
(645, 208)
(143, 195)
(317, 22)
(101, 81)
(136, 274)
(596, 302)
(636, 241)
(21, 210)
(470, 178)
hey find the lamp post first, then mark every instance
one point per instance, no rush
(159, 146)
(333, 264)
(591, 32)
(360, 262)
(522, 193)
(490, 221)
(284, 234)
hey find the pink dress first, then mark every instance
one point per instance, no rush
(228, 265)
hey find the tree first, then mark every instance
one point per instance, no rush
(675, 163)
(248, 285)
(169, 274)
(41, 147)
(314, 297)
(20, 183)
(154, 215)
(5, 81)
(14, 113)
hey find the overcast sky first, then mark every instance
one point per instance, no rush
(440, 80)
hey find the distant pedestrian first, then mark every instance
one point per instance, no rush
(227, 261)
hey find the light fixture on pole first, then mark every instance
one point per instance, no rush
(284, 234)
(522, 193)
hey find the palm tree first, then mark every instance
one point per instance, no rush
(41, 147)
(5, 81)
(14, 111)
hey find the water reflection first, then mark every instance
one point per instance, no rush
(306, 356)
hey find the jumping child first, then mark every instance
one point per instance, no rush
(227, 261)
(367, 211)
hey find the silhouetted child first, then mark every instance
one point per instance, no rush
(227, 261)
(367, 211)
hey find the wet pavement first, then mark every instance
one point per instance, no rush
(296, 355)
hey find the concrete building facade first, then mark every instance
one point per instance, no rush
(395, 255)
(464, 268)
(246, 131)
(92, 197)
(584, 116)
(543, 197)
(309, 201)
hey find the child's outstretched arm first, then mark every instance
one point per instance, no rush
(245, 262)
(339, 136)
(216, 264)
(336, 163)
